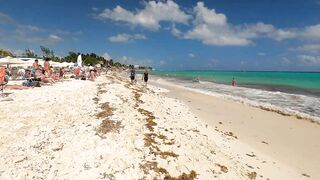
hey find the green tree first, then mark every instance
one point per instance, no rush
(72, 57)
(4, 53)
(47, 53)
(30, 53)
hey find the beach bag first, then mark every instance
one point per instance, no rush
(27, 83)
(36, 84)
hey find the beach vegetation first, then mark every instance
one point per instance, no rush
(47, 53)
(5, 53)
(30, 53)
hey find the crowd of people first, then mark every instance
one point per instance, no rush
(45, 74)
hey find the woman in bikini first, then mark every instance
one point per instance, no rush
(145, 75)
(35, 66)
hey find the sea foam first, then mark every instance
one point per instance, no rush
(301, 106)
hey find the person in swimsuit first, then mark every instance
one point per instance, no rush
(233, 82)
(35, 66)
(145, 76)
(46, 66)
(132, 74)
(61, 72)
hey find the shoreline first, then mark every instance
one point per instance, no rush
(252, 103)
(277, 135)
(113, 129)
(267, 87)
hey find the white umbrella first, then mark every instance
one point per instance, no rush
(10, 60)
(79, 60)
(27, 63)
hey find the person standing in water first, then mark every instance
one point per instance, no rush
(145, 76)
(233, 82)
(132, 74)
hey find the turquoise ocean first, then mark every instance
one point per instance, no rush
(292, 92)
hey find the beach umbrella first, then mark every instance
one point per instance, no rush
(79, 60)
(10, 60)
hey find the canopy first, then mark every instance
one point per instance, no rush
(79, 60)
(63, 64)
(27, 63)
(10, 60)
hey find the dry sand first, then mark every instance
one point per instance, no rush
(110, 129)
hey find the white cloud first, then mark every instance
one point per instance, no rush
(162, 62)
(51, 39)
(32, 34)
(280, 34)
(212, 28)
(191, 55)
(5, 19)
(285, 60)
(261, 54)
(106, 56)
(32, 28)
(176, 32)
(309, 60)
(54, 38)
(209, 26)
(150, 17)
(119, 38)
(308, 48)
(126, 38)
(133, 61)
(95, 9)
(312, 32)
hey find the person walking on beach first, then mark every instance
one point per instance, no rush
(145, 76)
(233, 82)
(132, 75)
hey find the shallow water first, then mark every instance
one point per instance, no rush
(301, 104)
(307, 83)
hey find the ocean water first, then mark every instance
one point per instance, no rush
(295, 93)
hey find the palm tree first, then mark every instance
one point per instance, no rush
(5, 53)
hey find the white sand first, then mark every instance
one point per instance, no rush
(53, 133)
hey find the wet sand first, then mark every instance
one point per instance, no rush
(295, 142)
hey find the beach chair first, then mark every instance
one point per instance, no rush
(3, 81)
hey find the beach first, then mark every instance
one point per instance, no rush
(112, 129)
(290, 139)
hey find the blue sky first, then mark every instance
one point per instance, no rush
(176, 35)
